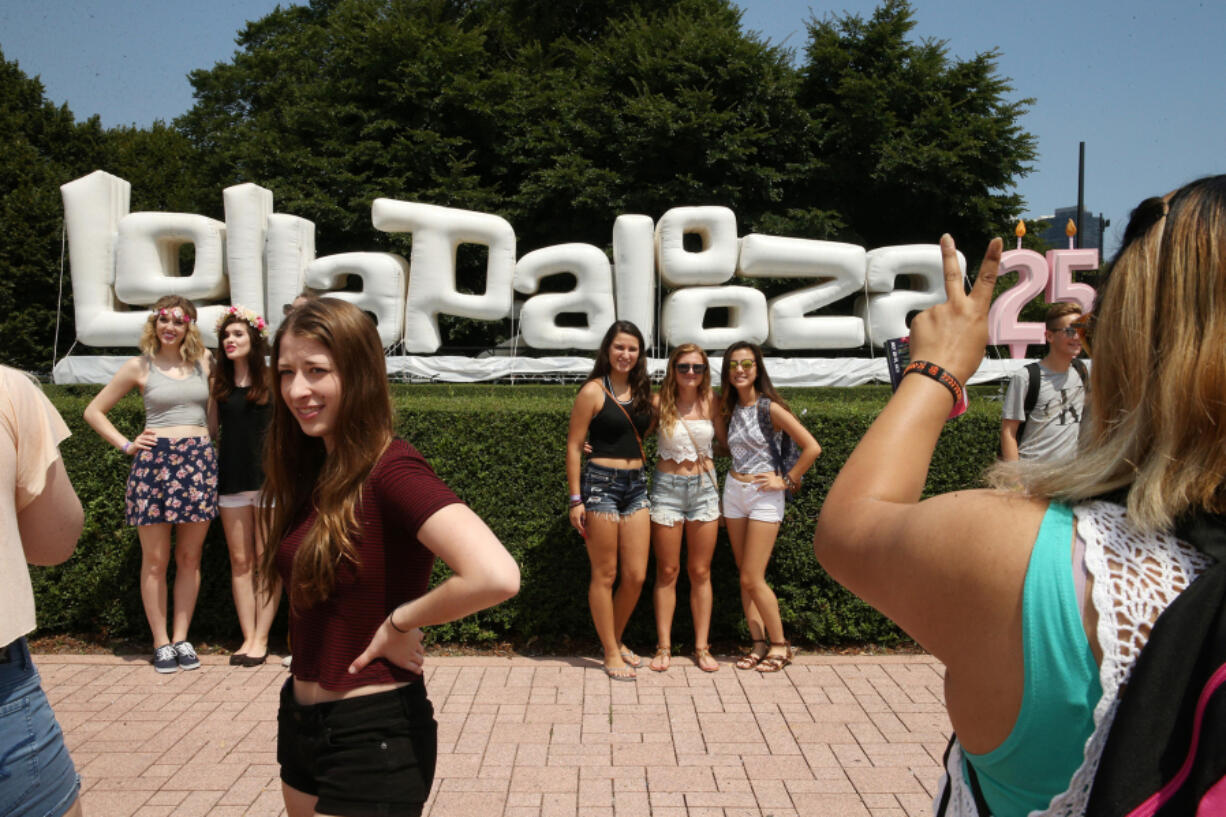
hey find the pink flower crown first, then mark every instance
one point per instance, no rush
(252, 318)
(176, 312)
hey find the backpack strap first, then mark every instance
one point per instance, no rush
(768, 431)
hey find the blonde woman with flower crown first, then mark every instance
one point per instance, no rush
(241, 390)
(172, 486)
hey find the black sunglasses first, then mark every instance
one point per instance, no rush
(696, 368)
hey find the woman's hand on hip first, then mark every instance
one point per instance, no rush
(402, 649)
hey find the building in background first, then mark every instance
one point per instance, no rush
(1092, 229)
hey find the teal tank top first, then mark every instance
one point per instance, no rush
(1047, 744)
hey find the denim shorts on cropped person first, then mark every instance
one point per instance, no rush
(37, 778)
(683, 498)
(368, 756)
(613, 491)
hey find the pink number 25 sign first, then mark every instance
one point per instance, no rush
(1052, 276)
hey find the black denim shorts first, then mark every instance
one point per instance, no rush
(368, 756)
(614, 491)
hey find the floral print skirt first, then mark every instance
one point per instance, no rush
(175, 481)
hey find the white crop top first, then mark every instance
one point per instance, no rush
(675, 444)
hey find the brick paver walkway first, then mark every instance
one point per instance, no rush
(828, 736)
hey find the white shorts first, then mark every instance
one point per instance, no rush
(240, 500)
(745, 499)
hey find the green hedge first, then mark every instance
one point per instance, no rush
(501, 448)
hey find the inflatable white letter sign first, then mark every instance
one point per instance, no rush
(122, 261)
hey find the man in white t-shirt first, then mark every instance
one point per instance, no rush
(1050, 428)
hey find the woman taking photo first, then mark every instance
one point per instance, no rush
(355, 520)
(685, 499)
(754, 499)
(1039, 596)
(173, 480)
(608, 506)
(241, 393)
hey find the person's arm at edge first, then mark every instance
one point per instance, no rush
(51, 523)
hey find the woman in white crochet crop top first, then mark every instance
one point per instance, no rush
(951, 570)
(685, 499)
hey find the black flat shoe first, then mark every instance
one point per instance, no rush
(239, 659)
(254, 660)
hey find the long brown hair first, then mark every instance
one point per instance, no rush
(668, 388)
(192, 347)
(640, 382)
(223, 367)
(761, 382)
(300, 475)
(1157, 424)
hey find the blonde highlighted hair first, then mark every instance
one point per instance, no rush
(192, 348)
(300, 475)
(1156, 426)
(668, 388)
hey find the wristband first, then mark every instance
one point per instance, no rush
(938, 374)
(392, 622)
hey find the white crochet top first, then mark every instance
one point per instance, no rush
(1135, 577)
(675, 444)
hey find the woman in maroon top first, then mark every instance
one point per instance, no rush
(355, 522)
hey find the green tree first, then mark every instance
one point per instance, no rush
(916, 143)
(41, 147)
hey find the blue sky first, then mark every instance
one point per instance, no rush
(1139, 82)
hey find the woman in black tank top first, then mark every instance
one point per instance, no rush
(608, 496)
(241, 389)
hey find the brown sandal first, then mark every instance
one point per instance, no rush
(775, 663)
(662, 655)
(751, 659)
(704, 654)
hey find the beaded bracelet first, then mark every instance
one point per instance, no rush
(938, 374)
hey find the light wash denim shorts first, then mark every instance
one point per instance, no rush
(683, 498)
(613, 491)
(36, 774)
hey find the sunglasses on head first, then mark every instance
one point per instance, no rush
(745, 365)
(696, 368)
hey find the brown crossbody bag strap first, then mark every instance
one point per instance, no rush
(633, 427)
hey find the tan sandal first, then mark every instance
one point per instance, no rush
(702, 654)
(661, 659)
(751, 658)
(775, 663)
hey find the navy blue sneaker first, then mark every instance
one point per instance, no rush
(166, 659)
(186, 655)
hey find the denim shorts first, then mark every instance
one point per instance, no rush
(37, 777)
(613, 491)
(371, 755)
(681, 497)
(745, 499)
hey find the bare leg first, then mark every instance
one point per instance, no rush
(189, 544)
(634, 546)
(154, 558)
(666, 544)
(755, 554)
(700, 548)
(297, 803)
(239, 526)
(602, 552)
